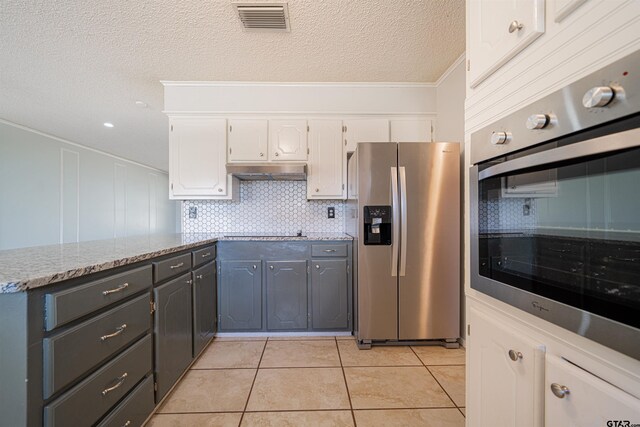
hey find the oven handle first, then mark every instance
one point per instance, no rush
(600, 145)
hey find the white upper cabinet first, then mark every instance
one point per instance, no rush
(248, 140)
(497, 31)
(287, 140)
(197, 159)
(506, 375)
(577, 398)
(327, 164)
(365, 130)
(411, 130)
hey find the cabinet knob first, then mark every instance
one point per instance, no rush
(277, 154)
(262, 154)
(317, 266)
(188, 282)
(515, 355)
(219, 190)
(271, 267)
(317, 190)
(255, 266)
(560, 391)
(515, 26)
(199, 276)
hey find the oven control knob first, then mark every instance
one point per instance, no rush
(598, 97)
(537, 121)
(498, 138)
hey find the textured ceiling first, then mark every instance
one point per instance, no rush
(68, 66)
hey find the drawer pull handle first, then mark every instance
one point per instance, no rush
(121, 379)
(515, 355)
(127, 424)
(177, 265)
(560, 391)
(118, 289)
(199, 276)
(206, 255)
(329, 250)
(120, 329)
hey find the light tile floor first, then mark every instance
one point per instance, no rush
(303, 381)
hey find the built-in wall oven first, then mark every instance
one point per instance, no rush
(555, 207)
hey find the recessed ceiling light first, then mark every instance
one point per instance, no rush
(141, 104)
(108, 125)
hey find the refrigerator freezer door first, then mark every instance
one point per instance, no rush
(377, 289)
(429, 290)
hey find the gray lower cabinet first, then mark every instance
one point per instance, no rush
(286, 295)
(240, 303)
(173, 328)
(204, 306)
(329, 294)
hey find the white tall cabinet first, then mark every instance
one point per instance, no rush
(327, 162)
(197, 159)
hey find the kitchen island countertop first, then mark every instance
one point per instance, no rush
(29, 268)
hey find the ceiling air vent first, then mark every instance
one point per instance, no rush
(263, 16)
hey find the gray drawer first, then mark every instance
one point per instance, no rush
(87, 402)
(175, 266)
(332, 250)
(202, 256)
(64, 306)
(68, 355)
(134, 409)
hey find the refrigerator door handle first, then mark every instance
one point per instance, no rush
(403, 224)
(395, 218)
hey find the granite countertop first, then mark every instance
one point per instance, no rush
(29, 268)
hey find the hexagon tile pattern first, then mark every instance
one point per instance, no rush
(506, 214)
(265, 206)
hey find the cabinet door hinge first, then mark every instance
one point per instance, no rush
(230, 150)
(153, 306)
(155, 386)
(345, 128)
(345, 142)
(468, 65)
(343, 186)
(348, 268)
(172, 185)
(468, 329)
(230, 128)
(349, 316)
(171, 128)
(219, 318)
(307, 151)
(307, 128)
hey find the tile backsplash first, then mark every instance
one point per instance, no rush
(265, 206)
(506, 214)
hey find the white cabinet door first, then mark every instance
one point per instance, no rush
(498, 30)
(589, 402)
(248, 140)
(197, 158)
(287, 140)
(411, 130)
(502, 391)
(365, 130)
(327, 166)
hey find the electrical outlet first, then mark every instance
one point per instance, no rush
(193, 212)
(331, 212)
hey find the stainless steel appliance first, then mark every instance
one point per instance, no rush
(555, 210)
(403, 211)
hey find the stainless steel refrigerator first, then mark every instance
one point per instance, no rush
(403, 210)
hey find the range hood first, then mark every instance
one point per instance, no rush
(268, 171)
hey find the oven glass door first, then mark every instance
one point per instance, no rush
(564, 227)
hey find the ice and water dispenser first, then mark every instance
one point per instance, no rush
(377, 225)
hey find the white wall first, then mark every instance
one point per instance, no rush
(451, 92)
(53, 191)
